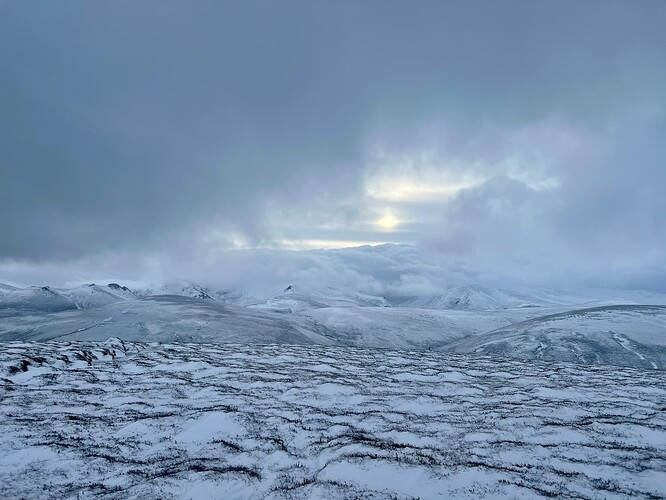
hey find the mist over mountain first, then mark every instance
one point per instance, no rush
(587, 326)
(290, 249)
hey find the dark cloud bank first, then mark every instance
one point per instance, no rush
(145, 140)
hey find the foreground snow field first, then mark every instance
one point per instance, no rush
(126, 420)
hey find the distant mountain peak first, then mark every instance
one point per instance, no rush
(116, 286)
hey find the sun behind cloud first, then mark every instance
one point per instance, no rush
(388, 221)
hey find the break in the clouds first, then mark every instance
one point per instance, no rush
(519, 140)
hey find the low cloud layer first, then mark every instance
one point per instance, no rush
(513, 143)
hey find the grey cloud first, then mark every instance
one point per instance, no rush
(600, 225)
(613, 200)
(132, 130)
(383, 269)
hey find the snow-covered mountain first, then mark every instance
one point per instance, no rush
(296, 299)
(5, 289)
(529, 324)
(48, 299)
(97, 295)
(36, 298)
(293, 298)
(475, 298)
(626, 335)
(167, 318)
(483, 298)
(178, 287)
(184, 288)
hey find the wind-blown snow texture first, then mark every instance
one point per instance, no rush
(190, 420)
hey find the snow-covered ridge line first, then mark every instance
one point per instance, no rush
(294, 298)
(189, 421)
(599, 335)
(623, 335)
(627, 335)
(45, 299)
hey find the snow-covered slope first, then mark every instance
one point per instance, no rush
(296, 299)
(97, 295)
(169, 318)
(4, 289)
(477, 298)
(621, 335)
(186, 288)
(625, 335)
(114, 420)
(483, 298)
(293, 298)
(404, 327)
(47, 299)
(166, 318)
(37, 299)
(178, 287)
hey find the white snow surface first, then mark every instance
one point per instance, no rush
(296, 299)
(483, 298)
(47, 299)
(5, 289)
(479, 298)
(617, 327)
(628, 335)
(140, 420)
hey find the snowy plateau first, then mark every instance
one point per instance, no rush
(182, 391)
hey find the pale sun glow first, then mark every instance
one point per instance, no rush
(388, 221)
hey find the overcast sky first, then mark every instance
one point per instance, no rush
(512, 142)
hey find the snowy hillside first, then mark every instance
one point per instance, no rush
(188, 421)
(170, 318)
(165, 318)
(38, 299)
(621, 335)
(489, 321)
(4, 289)
(296, 299)
(179, 287)
(483, 298)
(627, 336)
(48, 299)
(475, 298)
(405, 327)
(96, 296)
(186, 288)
